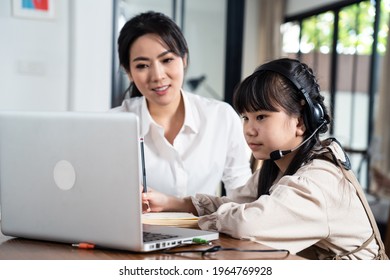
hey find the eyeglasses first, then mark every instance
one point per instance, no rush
(215, 249)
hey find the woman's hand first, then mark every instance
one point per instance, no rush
(154, 201)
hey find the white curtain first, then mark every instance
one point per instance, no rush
(271, 17)
(270, 20)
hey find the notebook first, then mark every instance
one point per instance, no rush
(180, 219)
(75, 177)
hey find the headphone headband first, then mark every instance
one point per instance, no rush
(315, 116)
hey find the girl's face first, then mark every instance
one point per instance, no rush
(157, 72)
(267, 131)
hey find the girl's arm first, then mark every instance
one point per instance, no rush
(201, 204)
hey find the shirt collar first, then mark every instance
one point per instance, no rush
(146, 118)
(191, 117)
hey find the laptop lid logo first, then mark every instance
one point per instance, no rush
(64, 175)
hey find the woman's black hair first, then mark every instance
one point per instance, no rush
(149, 23)
(268, 90)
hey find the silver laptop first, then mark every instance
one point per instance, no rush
(75, 177)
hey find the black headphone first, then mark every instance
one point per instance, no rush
(314, 116)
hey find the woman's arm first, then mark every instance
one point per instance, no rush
(154, 201)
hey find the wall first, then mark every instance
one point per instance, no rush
(34, 60)
(205, 31)
(57, 64)
(65, 63)
(91, 36)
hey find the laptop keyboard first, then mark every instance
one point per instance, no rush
(149, 236)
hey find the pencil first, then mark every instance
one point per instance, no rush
(145, 189)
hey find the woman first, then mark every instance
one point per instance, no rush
(191, 142)
(303, 198)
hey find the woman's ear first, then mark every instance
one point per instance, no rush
(129, 76)
(185, 61)
(127, 72)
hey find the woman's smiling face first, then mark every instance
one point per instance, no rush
(157, 72)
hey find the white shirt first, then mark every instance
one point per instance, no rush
(210, 147)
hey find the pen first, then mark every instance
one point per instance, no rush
(145, 188)
(85, 246)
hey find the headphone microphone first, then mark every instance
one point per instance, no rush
(278, 154)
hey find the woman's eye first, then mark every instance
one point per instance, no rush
(245, 118)
(141, 66)
(167, 60)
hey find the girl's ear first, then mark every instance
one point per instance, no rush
(301, 127)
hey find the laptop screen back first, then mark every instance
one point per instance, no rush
(71, 177)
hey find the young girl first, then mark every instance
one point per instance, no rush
(300, 197)
(192, 143)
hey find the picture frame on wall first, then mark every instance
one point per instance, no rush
(33, 9)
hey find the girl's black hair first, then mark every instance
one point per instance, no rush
(149, 23)
(267, 90)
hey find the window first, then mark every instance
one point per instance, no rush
(344, 44)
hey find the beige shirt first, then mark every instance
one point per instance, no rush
(316, 205)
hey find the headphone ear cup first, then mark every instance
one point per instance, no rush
(318, 116)
(314, 117)
(307, 121)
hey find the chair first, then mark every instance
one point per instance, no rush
(387, 236)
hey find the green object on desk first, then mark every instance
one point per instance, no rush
(197, 240)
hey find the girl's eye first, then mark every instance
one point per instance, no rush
(245, 118)
(260, 117)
